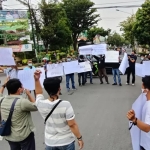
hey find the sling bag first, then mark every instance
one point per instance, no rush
(51, 111)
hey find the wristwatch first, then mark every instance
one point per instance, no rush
(80, 139)
(135, 122)
(4, 86)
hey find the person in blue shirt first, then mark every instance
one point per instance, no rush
(30, 65)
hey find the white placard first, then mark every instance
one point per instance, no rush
(99, 49)
(27, 78)
(135, 131)
(6, 57)
(112, 56)
(138, 70)
(85, 50)
(70, 67)
(55, 70)
(42, 76)
(124, 64)
(145, 68)
(88, 66)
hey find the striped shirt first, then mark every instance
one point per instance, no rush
(57, 131)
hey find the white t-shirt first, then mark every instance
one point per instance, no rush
(57, 131)
(145, 137)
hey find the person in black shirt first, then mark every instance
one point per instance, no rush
(101, 68)
(131, 69)
(115, 71)
(81, 59)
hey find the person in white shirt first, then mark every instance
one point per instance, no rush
(144, 124)
(60, 126)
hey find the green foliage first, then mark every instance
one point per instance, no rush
(127, 28)
(94, 31)
(142, 25)
(81, 16)
(55, 31)
(116, 39)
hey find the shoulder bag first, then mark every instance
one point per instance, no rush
(5, 126)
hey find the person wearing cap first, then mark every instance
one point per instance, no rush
(70, 76)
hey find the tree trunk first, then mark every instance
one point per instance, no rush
(75, 42)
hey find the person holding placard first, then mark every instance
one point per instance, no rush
(131, 69)
(144, 123)
(89, 59)
(70, 76)
(82, 74)
(101, 68)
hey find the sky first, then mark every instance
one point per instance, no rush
(110, 18)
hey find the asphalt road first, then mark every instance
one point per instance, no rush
(100, 113)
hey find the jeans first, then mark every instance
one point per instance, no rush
(116, 72)
(27, 144)
(90, 74)
(83, 78)
(102, 71)
(131, 70)
(68, 77)
(66, 147)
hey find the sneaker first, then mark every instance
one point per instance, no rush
(101, 83)
(68, 90)
(133, 84)
(120, 84)
(114, 84)
(74, 89)
(107, 82)
(91, 83)
(127, 83)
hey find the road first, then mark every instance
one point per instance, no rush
(100, 113)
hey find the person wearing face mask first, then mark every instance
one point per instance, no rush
(30, 65)
(143, 58)
(101, 68)
(144, 123)
(22, 128)
(131, 69)
(89, 59)
(70, 77)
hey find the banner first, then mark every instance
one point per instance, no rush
(85, 50)
(55, 70)
(112, 57)
(139, 70)
(6, 58)
(84, 67)
(99, 49)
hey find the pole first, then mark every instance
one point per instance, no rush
(33, 36)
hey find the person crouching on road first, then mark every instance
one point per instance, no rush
(101, 68)
(82, 74)
(70, 76)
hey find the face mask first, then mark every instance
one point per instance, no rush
(30, 65)
(88, 57)
(142, 58)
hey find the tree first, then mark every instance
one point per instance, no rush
(94, 31)
(55, 30)
(127, 28)
(81, 17)
(142, 25)
(116, 39)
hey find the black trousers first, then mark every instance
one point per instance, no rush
(83, 78)
(27, 144)
(131, 70)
